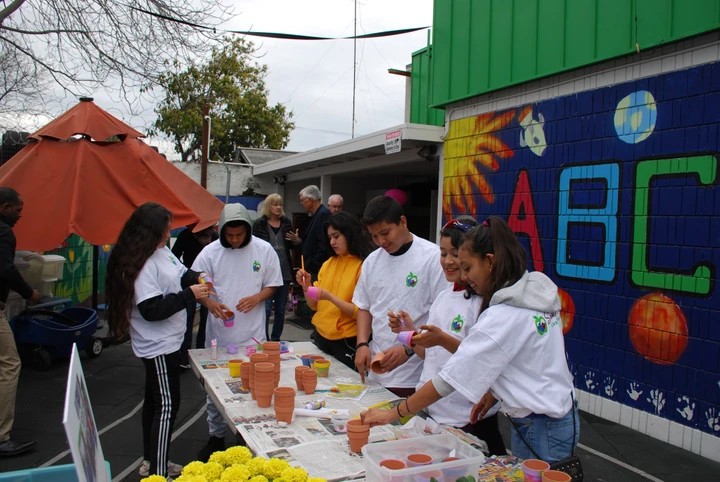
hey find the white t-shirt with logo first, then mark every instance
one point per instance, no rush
(409, 282)
(239, 273)
(455, 315)
(160, 275)
(520, 354)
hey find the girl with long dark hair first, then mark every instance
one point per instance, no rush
(335, 318)
(452, 315)
(516, 349)
(148, 289)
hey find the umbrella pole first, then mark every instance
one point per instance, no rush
(95, 261)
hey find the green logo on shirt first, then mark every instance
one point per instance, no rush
(541, 325)
(411, 280)
(457, 324)
(256, 266)
(172, 258)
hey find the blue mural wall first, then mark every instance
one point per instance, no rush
(614, 193)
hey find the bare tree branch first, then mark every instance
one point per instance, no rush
(83, 46)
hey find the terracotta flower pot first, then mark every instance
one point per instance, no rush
(394, 464)
(358, 435)
(454, 473)
(306, 360)
(264, 368)
(271, 346)
(298, 376)
(309, 378)
(555, 476)
(322, 368)
(416, 460)
(285, 392)
(255, 358)
(375, 365)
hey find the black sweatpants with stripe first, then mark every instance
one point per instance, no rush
(162, 400)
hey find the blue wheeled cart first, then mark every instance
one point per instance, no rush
(46, 335)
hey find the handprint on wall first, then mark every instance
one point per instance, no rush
(657, 399)
(590, 381)
(633, 391)
(688, 411)
(713, 419)
(609, 386)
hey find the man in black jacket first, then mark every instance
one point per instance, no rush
(315, 246)
(11, 205)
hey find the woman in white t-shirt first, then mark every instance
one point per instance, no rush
(452, 315)
(516, 349)
(148, 289)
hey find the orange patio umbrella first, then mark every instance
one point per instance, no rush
(90, 186)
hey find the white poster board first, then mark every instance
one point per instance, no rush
(80, 427)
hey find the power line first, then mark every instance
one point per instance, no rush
(324, 92)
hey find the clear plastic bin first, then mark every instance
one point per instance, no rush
(438, 447)
(55, 473)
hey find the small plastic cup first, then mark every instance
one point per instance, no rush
(340, 423)
(234, 366)
(249, 350)
(533, 469)
(405, 337)
(314, 293)
(232, 349)
(230, 321)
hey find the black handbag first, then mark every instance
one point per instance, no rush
(570, 465)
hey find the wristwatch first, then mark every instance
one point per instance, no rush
(359, 345)
(409, 351)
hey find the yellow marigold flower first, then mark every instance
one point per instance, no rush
(213, 470)
(220, 458)
(274, 468)
(236, 473)
(154, 478)
(194, 468)
(259, 478)
(292, 474)
(256, 466)
(238, 455)
(191, 478)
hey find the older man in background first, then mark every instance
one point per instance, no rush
(315, 246)
(335, 203)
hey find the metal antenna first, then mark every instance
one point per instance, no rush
(354, 70)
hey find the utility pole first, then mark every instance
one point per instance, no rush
(205, 145)
(354, 70)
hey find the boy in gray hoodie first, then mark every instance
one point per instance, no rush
(246, 272)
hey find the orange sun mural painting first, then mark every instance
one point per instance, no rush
(567, 310)
(470, 145)
(658, 329)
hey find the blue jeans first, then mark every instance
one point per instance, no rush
(550, 438)
(280, 300)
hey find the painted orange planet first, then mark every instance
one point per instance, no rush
(658, 329)
(567, 310)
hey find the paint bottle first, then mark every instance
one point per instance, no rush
(214, 349)
(314, 405)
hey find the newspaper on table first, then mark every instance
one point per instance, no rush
(309, 442)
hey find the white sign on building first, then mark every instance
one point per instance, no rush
(393, 142)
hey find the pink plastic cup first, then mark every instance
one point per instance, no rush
(230, 322)
(314, 293)
(405, 337)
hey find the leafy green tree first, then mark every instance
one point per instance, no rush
(232, 84)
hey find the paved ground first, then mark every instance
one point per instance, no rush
(115, 382)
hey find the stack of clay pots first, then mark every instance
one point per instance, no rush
(284, 404)
(255, 358)
(298, 376)
(245, 375)
(358, 434)
(272, 350)
(264, 384)
(309, 381)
